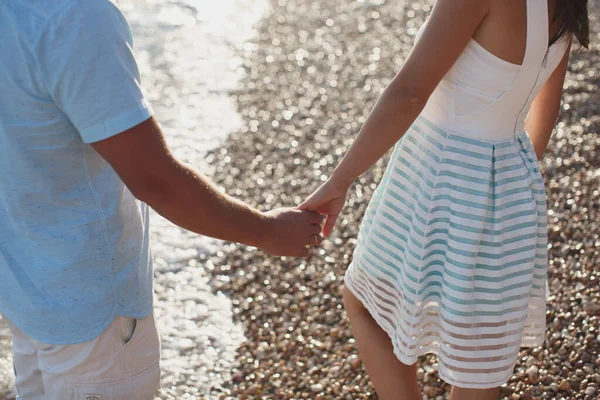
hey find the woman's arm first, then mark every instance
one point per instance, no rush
(449, 30)
(451, 26)
(545, 108)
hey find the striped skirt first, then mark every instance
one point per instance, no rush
(452, 253)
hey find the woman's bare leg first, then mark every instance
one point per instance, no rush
(474, 394)
(392, 379)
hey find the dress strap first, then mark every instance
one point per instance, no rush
(537, 35)
(535, 52)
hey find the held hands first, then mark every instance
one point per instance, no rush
(291, 232)
(329, 199)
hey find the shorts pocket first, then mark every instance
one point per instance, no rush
(143, 347)
(128, 327)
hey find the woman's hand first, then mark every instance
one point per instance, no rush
(329, 199)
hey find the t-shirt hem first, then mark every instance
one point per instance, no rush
(78, 336)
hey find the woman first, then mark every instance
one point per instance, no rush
(452, 252)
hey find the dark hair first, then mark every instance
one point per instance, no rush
(574, 16)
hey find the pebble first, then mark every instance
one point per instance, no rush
(533, 374)
(355, 362)
(430, 391)
(590, 390)
(317, 387)
(238, 377)
(530, 361)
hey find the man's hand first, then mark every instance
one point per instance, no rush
(290, 232)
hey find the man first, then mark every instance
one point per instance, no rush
(78, 145)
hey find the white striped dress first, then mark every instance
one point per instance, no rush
(452, 252)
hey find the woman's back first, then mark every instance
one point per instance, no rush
(488, 91)
(504, 31)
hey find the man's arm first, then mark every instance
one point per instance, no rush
(144, 162)
(87, 65)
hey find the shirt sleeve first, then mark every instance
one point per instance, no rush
(86, 60)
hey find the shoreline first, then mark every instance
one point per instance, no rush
(188, 68)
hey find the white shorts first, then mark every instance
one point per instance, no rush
(123, 363)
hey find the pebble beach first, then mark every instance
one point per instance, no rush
(312, 75)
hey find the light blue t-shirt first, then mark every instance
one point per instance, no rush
(74, 245)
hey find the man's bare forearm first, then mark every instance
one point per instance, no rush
(142, 159)
(191, 201)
